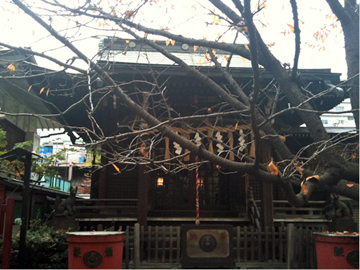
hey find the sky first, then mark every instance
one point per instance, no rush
(181, 17)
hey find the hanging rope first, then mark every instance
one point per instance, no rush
(197, 222)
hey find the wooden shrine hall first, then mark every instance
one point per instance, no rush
(165, 194)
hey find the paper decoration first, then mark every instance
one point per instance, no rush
(197, 139)
(242, 141)
(219, 138)
(177, 147)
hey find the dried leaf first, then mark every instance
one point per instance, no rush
(218, 167)
(350, 185)
(272, 168)
(142, 151)
(127, 41)
(271, 44)
(195, 48)
(226, 57)
(116, 168)
(47, 92)
(128, 13)
(298, 168)
(304, 188)
(243, 58)
(167, 42)
(42, 90)
(29, 88)
(313, 176)
(173, 42)
(246, 46)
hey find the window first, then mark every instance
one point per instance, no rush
(339, 108)
(350, 118)
(325, 122)
(341, 121)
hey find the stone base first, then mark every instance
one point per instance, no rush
(64, 224)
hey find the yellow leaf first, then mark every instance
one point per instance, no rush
(304, 188)
(11, 67)
(173, 42)
(313, 176)
(204, 38)
(350, 185)
(42, 90)
(291, 27)
(127, 41)
(167, 42)
(29, 88)
(226, 57)
(223, 41)
(195, 48)
(236, 126)
(47, 92)
(246, 46)
(272, 168)
(242, 58)
(116, 168)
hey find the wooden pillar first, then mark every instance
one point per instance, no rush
(22, 257)
(142, 206)
(267, 212)
(266, 215)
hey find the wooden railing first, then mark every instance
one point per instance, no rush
(284, 246)
(104, 207)
(314, 210)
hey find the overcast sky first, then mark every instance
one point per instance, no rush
(188, 19)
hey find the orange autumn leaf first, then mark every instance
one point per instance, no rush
(29, 88)
(172, 42)
(195, 48)
(218, 167)
(298, 168)
(291, 27)
(47, 92)
(42, 90)
(304, 188)
(128, 13)
(271, 44)
(272, 168)
(142, 151)
(313, 176)
(167, 42)
(246, 46)
(116, 168)
(350, 185)
(227, 58)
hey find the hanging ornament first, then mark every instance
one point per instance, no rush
(197, 139)
(219, 138)
(177, 147)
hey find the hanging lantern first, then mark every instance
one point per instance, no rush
(160, 182)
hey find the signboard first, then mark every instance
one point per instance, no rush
(207, 246)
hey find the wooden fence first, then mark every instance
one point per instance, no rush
(290, 246)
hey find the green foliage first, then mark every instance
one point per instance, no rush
(3, 141)
(46, 247)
